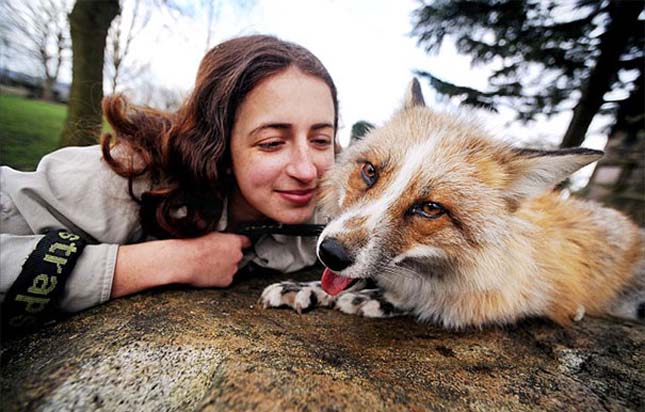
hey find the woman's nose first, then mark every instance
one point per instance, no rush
(302, 165)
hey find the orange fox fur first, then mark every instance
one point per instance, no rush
(507, 246)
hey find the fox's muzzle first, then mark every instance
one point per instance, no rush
(334, 255)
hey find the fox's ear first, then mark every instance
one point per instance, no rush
(533, 172)
(413, 96)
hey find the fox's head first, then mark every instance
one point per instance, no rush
(427, 192)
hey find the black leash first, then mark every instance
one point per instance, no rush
(256, 229)
(33, 298)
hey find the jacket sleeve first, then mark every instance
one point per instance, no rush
(89, 284)
(71, 189)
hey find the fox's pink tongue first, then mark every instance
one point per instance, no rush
(332, 283)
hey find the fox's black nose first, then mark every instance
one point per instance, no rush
(333, 255)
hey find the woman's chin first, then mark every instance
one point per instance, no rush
(293, 217)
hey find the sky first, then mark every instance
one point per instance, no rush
(365, 45)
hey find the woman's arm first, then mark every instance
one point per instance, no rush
(88, 284)
(74, 189)
(207, 261)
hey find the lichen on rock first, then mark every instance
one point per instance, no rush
(177, 349)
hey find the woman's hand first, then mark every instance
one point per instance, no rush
(212, 260)
(207, 261)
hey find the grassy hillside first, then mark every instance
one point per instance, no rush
(28, 130)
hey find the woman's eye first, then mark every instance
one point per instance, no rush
(369, 174)
(270, 145)
(429, 210)
(322, 141)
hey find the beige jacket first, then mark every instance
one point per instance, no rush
(74, 189)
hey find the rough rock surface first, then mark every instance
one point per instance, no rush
(216, 350)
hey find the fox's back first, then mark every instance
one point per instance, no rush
(587, 252)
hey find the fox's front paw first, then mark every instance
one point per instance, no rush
(370, 303)
(300, 296)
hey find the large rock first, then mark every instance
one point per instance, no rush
(216, 350)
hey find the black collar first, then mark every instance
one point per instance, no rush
(259, 228)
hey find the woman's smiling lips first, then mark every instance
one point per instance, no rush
(300, 197)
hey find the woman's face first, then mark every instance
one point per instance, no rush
(282, 143)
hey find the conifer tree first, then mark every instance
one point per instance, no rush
(549, 56)
(359, 130)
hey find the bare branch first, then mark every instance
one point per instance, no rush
(125, 28)
(37, 31)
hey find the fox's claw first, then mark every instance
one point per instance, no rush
(300, 296)
(304, 296)
(369, 303)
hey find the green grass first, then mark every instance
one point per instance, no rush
(29, 129)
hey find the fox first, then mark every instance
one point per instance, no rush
(432, 217)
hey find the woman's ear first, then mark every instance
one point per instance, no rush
(413, 95)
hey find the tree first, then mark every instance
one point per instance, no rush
(89, 22)
(147, 92)
(119, 65)
(550, 56)
(359, 130)
(38, 31)
(212, 10)
(619, 178)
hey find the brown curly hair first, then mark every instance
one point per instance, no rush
(186, 154)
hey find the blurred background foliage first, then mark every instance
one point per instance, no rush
(583, 57)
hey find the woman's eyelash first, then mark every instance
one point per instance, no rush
(322, 140)
(269, 145)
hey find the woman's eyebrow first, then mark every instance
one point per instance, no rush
(286, 126)
(322, 126)
(279, 126)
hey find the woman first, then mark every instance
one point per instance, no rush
(250, 143)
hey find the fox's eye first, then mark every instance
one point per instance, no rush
(369, 174)
(429, 210)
